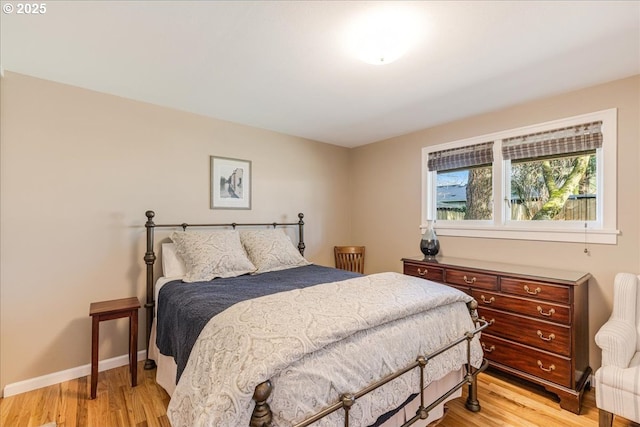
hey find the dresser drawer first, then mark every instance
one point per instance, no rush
(543, 335)
(465, 289)
(473, 279)
(538, 290)
(528, 307)
(552, 368)
(426, 272)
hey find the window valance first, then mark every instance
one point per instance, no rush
(573, 139)
(462, 157)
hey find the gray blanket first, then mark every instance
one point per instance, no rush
(185, 308)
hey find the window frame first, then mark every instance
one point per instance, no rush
(602, 231)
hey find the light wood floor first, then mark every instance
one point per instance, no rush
(507, 401)
(504, 402)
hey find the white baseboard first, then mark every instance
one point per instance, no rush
(68, 374)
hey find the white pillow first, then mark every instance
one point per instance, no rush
(172, 264)
(271, 250)
(208, 255)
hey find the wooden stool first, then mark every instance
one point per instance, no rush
(108, 310)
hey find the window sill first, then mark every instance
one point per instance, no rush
(606, 237)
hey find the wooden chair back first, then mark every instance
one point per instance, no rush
(350, 258)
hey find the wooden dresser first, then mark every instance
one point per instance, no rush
(539, 319)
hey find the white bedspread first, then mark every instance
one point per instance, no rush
(317, 343)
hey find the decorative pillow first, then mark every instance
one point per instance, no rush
(271, 250)
(172, 264)
(211, 254)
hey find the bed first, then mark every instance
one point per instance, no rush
(274, 340)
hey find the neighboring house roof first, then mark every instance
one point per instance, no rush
(451, 196)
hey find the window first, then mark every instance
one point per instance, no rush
(553, 181)
(465, 194)
(552, 175)
(464, 188)
(554, 189)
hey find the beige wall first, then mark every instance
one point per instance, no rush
(78, 171)
(386, 207)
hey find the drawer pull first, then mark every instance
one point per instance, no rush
(548, 313)
(491, 322)
(488, 350)
(487, 301)
(543, 338)
(422, 272)
(549, 369)
(470, 282)
(536, 291)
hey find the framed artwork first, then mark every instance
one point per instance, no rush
(230, 183)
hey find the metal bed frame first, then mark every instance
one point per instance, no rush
(262, 415)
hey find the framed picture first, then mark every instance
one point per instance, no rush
(230, 183)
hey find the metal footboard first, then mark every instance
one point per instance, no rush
(262, 416)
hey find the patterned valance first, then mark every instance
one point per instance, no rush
(574, 139)
(462, 157)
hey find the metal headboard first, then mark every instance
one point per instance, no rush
(150, 258)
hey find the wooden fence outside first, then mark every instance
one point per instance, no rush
(579, 209)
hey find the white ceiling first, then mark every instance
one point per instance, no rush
(284, 66)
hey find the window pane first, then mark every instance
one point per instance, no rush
(556, 189)
(465, 194)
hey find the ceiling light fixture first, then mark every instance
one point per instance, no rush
(382, 36)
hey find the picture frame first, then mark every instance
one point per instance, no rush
(230, 183)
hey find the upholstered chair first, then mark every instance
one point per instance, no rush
(618, 380)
